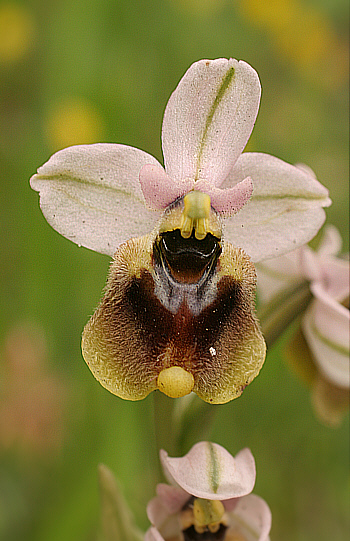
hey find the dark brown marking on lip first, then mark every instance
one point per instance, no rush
(187, 336)
(147, 322)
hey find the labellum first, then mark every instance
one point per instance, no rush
(178, 312)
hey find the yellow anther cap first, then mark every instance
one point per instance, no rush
(175, 382)
(207, 512)
(195, 214)
(197, 205)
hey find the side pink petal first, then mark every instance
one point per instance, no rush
(231, 504)
(173, 498)
(158, 188)
(254, 513)
(156, 512)
(152, 534)
(326, 328)
(227, 202)
(164, 522)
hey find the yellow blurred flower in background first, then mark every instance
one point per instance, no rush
(302, 34)
(17, 32)
(204, 8)
(73, 121)
(275, 14)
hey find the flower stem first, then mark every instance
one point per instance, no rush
(163, 419)
(181, 422)
(276, 315)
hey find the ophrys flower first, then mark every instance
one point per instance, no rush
(178, 312)
(209, 498)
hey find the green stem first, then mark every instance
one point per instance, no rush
(193, 419)
(276, 315)
(164, 422)
(181, 422)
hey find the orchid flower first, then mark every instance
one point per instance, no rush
(209, 498)
(178, 311)
(323, 343)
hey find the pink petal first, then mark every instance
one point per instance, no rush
(209, 118)
(231, 504)
(331, 242)
(285, 211)
(227, 202)
(165, 522)
(335, 277)
(253, 517)
(152, 534)
(326, 328)
(173, 498)
(156, 511)
(158, 189)
(301, 264)
(209, 471)
(91, 194)
(281, 273)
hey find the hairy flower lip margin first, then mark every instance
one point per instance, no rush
(92, 193)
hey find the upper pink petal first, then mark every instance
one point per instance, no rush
(209, 471)
(209, 118)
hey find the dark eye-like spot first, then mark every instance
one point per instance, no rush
(190, 534)
(187, 259)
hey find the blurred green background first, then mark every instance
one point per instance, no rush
(83, 71)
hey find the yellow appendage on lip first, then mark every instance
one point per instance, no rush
(175, 382)
(195, 215)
